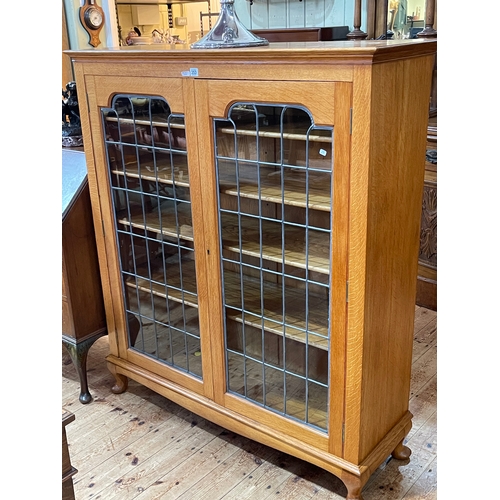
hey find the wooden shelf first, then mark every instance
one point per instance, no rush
(163, 173)
(270, 186)
(275, 132)
(295, 244)
(295, 252)
(157, 287)
(157, 122)
(168, 226)
(295, 309)
(156, 132)
(318, 329)
(286, 361)
(294, 193)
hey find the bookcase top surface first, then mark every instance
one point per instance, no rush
(353, 51)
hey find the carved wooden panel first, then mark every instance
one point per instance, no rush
(428, 228)
(427, 259)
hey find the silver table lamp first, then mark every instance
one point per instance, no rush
(228, 31)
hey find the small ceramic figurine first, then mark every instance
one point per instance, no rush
(159, 36)
(131, 34)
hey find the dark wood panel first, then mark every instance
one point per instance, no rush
(303, 34)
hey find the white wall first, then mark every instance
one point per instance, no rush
(414, 5)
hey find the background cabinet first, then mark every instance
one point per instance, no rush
(261, 233)
(427, 257)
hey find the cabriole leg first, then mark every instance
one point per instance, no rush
(78, 353)
(354, 486)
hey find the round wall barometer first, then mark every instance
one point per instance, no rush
(92, 19)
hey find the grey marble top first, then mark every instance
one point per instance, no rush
(74, 172)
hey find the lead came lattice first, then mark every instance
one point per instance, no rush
(274, 172)
(147, 156)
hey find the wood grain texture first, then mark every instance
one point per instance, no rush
(339, 259)
(198, 209)
(357, 266)
(106, 88)
(92, 176)
(211, 251)
(386, 199)
(396, 181)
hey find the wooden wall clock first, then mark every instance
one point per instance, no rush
(92, 19)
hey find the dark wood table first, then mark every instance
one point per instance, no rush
(83, 316)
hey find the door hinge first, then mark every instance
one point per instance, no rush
(350, 126)
(343, 432)
(347, 291)
(103, 232)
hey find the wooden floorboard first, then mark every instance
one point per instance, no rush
(139, 445)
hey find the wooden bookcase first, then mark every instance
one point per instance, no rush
(257, 218)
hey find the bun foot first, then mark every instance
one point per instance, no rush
(121, 381)
(401, 452)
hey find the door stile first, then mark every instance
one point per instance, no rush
(198, 208)
(212, 306)
(339, 259)
(106, 245)
(357, 261)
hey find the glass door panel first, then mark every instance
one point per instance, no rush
(147, 158)
(274, 173)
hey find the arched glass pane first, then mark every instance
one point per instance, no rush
(147, 158)
(274, 172)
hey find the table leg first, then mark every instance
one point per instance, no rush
(78, 352)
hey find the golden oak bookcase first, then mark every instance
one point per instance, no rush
(257, 219)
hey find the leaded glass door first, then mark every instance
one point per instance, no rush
(274, 175)
(147, 157)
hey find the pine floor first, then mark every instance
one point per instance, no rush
(139, 445)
